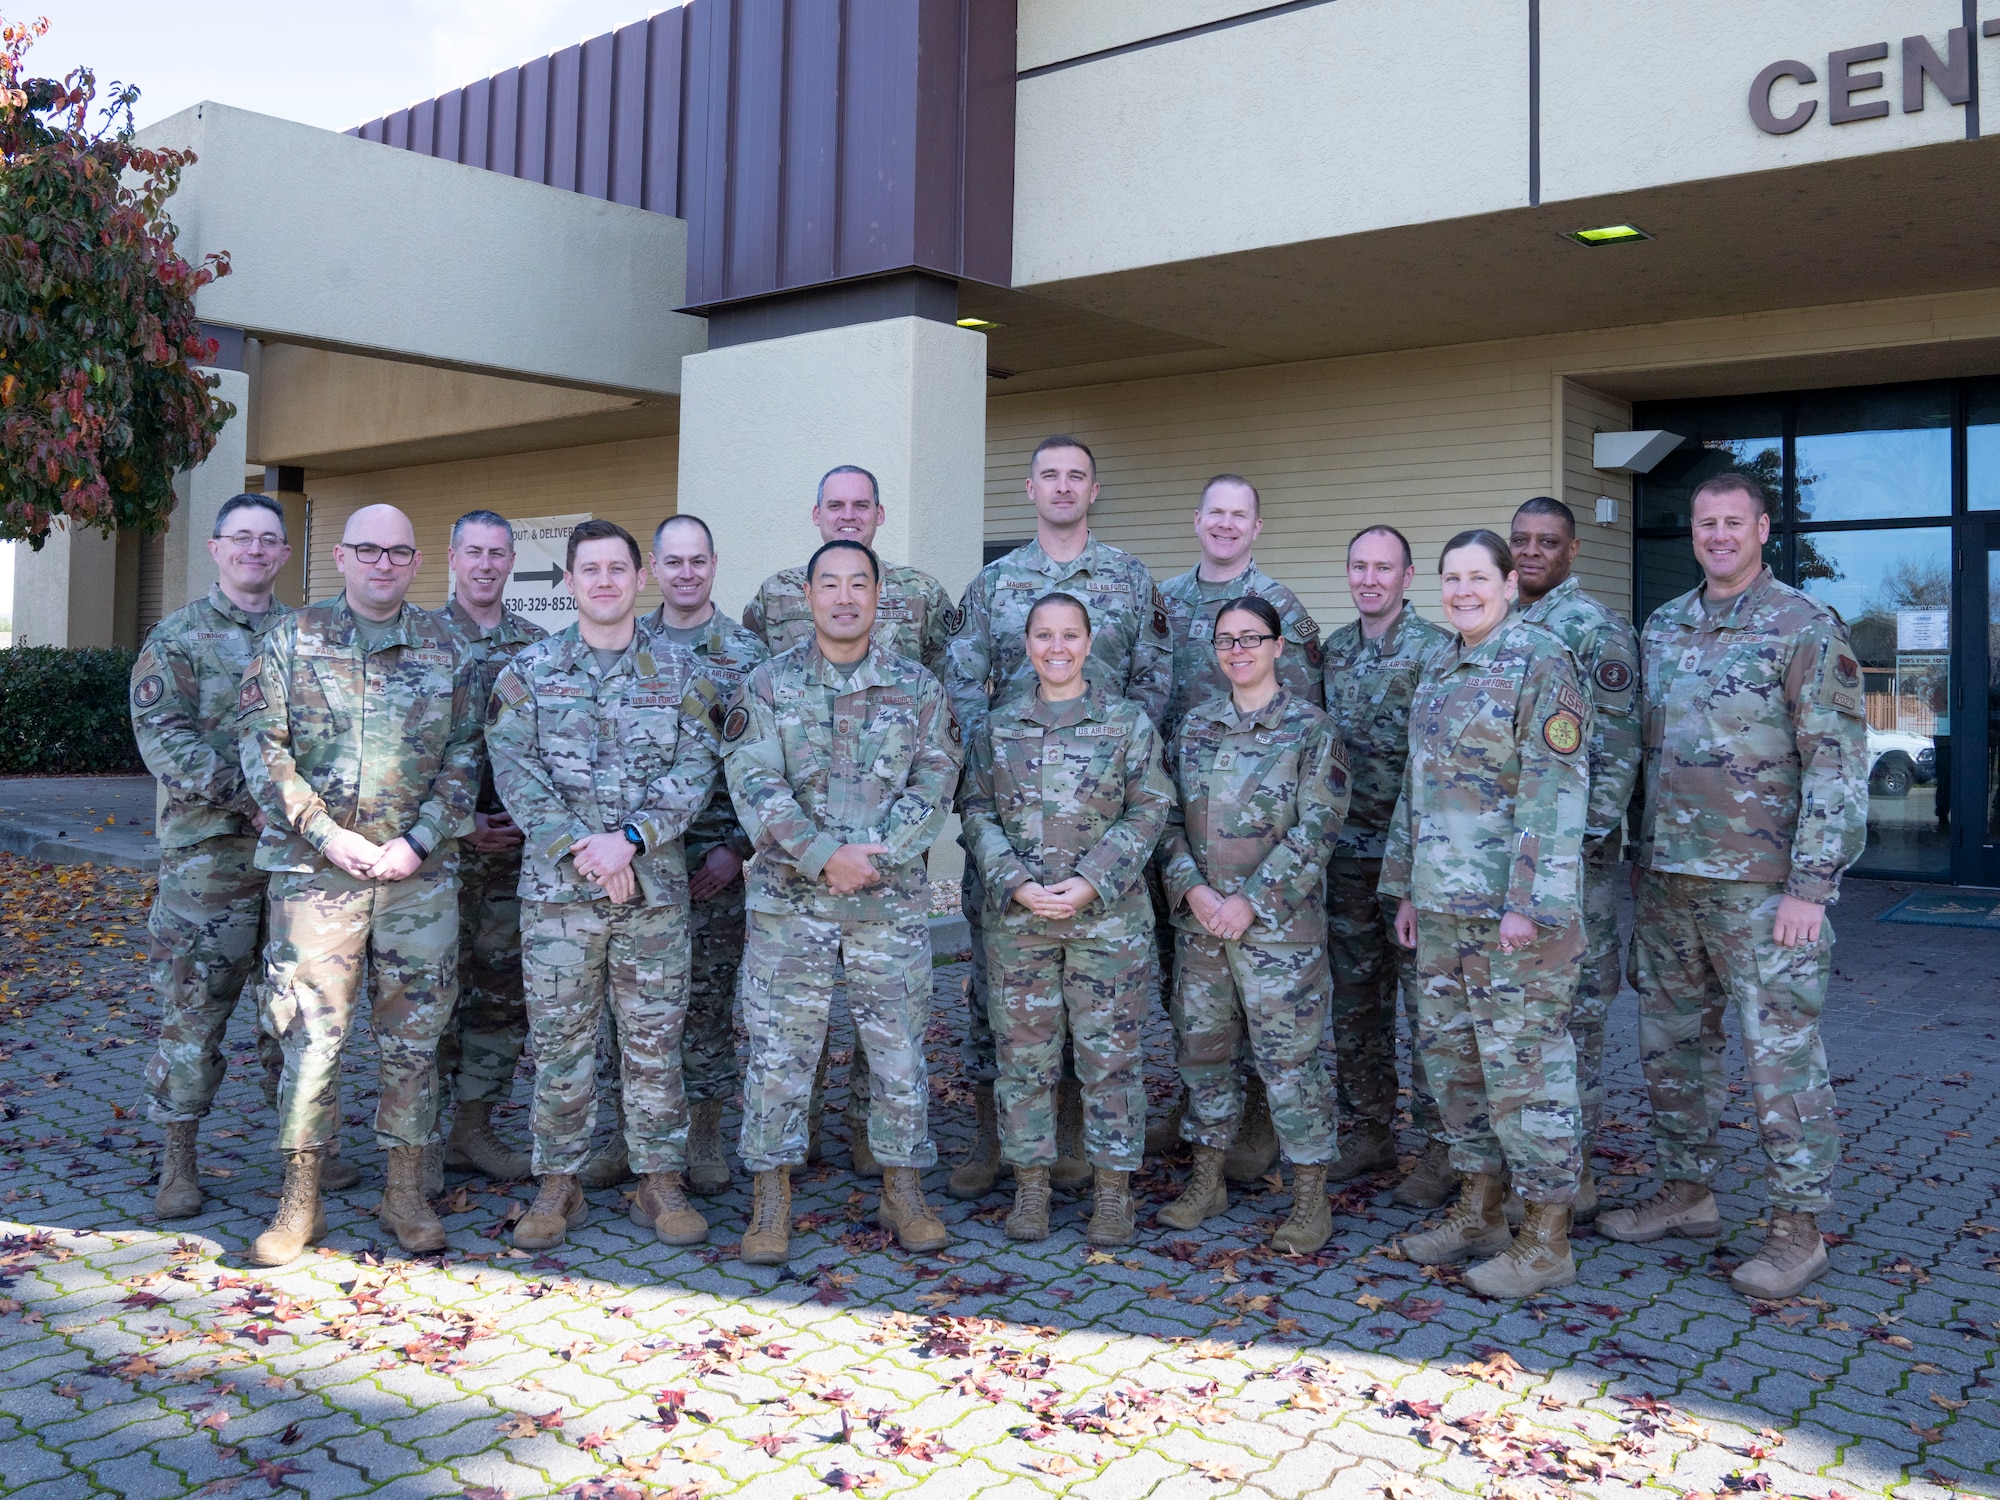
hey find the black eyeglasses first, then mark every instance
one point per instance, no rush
(368, 554)
(1249, 642)
(243, 541)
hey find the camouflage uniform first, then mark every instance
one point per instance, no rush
(1607, 662)
(1369, 685)
(482, 1043)
(1191, 604)
(1261, 798)
(1055, 790)
(1491, 821)
(383, 742)
(208, 918)
(913, 616)
(578, 750)
(1756, 768)
(1131, 655)
(817, 760)
(715, 926)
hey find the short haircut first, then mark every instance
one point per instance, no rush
(1253, 604)
(1732, 481)
(1495, 545)
(874, 487)
(1057, 599)
(1409, 557)
(685, 518)
(1256, 500)
(600, 531)
(246, 501)
(481, 518)
(1548, 505)
(1063, 440)
(838, 544)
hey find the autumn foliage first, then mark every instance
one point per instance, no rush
(100, 400)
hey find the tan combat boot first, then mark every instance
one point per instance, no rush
(558, 1208)
(1538, 1258)
(1029, 1219)
(1681, 1207)
(1255, 1149)
(1071, 1171)
(767, 1238)
(1793, 1256)
(474, 1147)
(974, 1177)
(661, 1205)
(300, 1218)
(1474, 1227)
(1114, 1218)
(860, 1095)
(179, 1196)
(708, 1160)
(404, 1211)
(1366, 1149)
(431, 1169)
(904, 1212)
(1431, 1181)
(1582, 1211)
(336, 1173)
(1205, 1195)
(1164, 1136)
(1311, 1223)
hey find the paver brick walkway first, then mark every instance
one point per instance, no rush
(141, 1359)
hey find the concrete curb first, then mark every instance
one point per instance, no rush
(50, 845)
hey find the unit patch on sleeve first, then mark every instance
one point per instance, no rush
(1613, 676)
(1847, 670)
(250, 696)
(1562, 731)
(735, 724)
(1571, 701)
(148, 691)
(952, 618)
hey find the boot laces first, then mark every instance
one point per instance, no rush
(1105, 1198)
(768, 1210)
(1034, 1194)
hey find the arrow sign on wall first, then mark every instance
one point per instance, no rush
(553, 577)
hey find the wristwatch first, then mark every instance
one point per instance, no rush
(632, 837)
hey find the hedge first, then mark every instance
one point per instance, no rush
(65, 711)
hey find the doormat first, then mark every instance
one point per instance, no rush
(1947, 909)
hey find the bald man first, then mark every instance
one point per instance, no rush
(360, 727)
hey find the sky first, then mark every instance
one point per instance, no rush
(328, 65)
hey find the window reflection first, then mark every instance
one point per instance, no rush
(1982, 446)
(1870, 455)
(1716, 435)
(1894, 590)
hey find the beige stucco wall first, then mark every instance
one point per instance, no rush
(65, 594)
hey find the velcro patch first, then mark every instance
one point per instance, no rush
(511, 690)
(736, 724)
(1847, 670)
(1160, 620)
(1562, 732)
(1570, 699)
(1613, 676)
(250, 696)
(1338, 753)
(432, 658)
(1306, 628)
(952, 618)
(147, 692)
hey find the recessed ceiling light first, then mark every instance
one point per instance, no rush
(979, 325)
(1609, 234)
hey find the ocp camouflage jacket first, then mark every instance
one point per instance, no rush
(489, 652)
(1607, 661)
(1491, 816)
(725, 654)
(1262, 799)
(913, 614)
(1060, 789)
(1756, 742)
(1191, 606)
(816, 761)
(1369, 685)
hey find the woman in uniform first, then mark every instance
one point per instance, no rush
(1263, 790)
(1484, 860)
(1065, 800)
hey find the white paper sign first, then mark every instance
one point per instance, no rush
(1923, 630)
(536, 587)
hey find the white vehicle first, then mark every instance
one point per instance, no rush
(1898, 760)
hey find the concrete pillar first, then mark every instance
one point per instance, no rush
(66, 594)
(904, 398)
(189, 572)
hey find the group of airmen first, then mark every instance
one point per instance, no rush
(613, 844)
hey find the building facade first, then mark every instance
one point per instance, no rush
(1410, 261)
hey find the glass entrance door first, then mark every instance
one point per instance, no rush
(1974, 759)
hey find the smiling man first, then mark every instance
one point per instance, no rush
(1756, 774)
(360, 742)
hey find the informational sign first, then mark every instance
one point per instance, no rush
(537, 588)
(1923, 630)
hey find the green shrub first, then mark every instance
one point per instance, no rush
(65, 712)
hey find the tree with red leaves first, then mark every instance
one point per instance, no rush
(100, 401)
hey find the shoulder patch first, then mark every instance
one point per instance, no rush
(1306, 628)
(510, 689)
(703, 702)
(952, 619)
(735, 724)
(1846, 670)
(1314, 656)
(250, 695)
(1562, 732)
(146, 692)
(1570, 700)
(1160, 618)
(1613, 676)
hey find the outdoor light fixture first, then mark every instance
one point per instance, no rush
(1609, 234)
(979, 325)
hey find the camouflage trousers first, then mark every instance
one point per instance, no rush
(1497, 1051)
(708, 1051)
(1091, 993)
(1597, 979)
(1702, 947)
(1278, 992)
(329, 932)
(1370, 968)
(977, 1055)
(207, 927)
(489, 1026)
(581, 959)
(789, 963)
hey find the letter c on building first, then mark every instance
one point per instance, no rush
(1760, 97)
